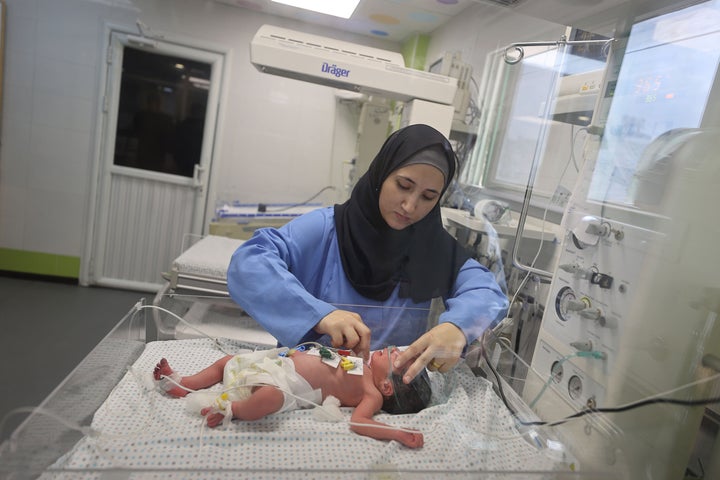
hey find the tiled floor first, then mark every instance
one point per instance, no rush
(47, 328)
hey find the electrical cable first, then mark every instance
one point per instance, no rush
(87, 431)
(275, 210)
(655, 399)
(573, 141)
(630, 406)
(188, 324)
(542, 231)
(564, 359)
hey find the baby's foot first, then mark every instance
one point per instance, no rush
(168, 380)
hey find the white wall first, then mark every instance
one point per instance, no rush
(277, 134)
(49, 96)
(483, 28)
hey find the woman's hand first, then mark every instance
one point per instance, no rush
(346, 329)
(439, 349)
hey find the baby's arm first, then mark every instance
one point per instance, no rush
(363, 414)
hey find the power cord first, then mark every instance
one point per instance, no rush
(275, 210)
(591, 410)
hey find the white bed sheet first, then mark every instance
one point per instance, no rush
(208, 257)
(143, 430)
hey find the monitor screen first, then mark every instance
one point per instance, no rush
(664, 82)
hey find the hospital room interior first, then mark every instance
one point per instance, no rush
(142, 142)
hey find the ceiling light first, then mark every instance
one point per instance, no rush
(336, 8)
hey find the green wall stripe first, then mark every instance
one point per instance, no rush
(39, 263)
(414, 51)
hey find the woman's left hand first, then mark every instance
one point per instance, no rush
(439, 349)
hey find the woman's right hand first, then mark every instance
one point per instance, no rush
(346, 329)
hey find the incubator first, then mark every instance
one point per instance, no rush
(108, 419)
(624, 365)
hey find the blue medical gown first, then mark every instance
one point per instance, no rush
(289, 278)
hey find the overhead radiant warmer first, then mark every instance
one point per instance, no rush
(347, 66)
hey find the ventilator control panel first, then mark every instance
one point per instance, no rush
(589, 304)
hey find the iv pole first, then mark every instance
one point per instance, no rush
(519, 53)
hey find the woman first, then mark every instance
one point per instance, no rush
(362, 274)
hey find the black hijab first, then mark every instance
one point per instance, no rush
(423, 257)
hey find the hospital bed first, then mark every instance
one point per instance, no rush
(196, 290)
(196, 282)
(107, 420)
(201, 268)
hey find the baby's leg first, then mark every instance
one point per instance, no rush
(163, 370)
(262, 402)
(203, 379)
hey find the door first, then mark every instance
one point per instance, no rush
(159, 115)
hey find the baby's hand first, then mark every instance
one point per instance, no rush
(412, 440)
(212, 416)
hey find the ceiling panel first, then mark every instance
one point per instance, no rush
(394, 20)
(398, 20)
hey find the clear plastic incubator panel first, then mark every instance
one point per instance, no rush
(108, 420)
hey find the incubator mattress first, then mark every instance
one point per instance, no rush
(142, 430)
(208, 257)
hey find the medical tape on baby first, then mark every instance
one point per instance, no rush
(352, 365)
(168, 382)
(223, 405)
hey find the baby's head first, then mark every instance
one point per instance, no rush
(408, 397)
(399, 397)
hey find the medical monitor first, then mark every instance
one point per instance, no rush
(665, 80)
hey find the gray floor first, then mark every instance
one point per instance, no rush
(47, 329)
